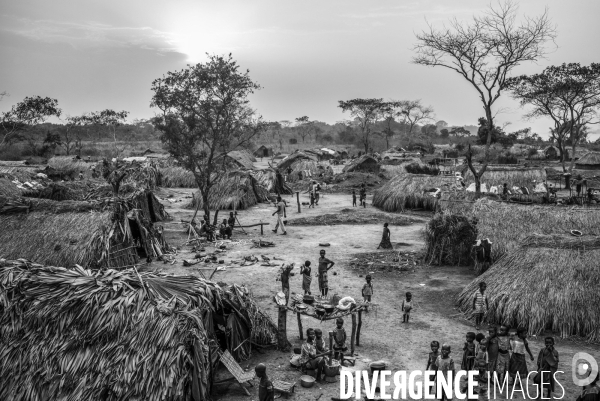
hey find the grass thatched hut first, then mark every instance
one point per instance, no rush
(272, 181)
(591, 161)
(263, 151)
(551, 152)
(449, 240)
(513, 176)
(366, 163)
(234, 190)
(108, 233)
(176, 177)
(545, 283)
(69, 333)
(293, 158)
(410, 191)
(9, 188)
(240, 159)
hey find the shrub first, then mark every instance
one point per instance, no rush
(417, 168)
(508, 159)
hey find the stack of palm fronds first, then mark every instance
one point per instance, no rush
(408, 191)
(176, 177)
(8, 188)
(145, 175)
(449, 240)
(233, 190)
(69, 334)
(543, 288)
(67, 190)
(308, 168)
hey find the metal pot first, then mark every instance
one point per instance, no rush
(329, 308)
(307, 381)
(320, 311)
(308, 299)
(331, 371)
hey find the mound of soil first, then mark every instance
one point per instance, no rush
(353, 216)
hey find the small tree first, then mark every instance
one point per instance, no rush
(111, 120)
(205, 113)
(414, 112)
(389, 111)
(569, 94)
(366, 112)
(444, 133)
(303, 127)
(30, 111)
(485, 52)
(459, 132)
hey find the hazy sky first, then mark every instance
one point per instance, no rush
(306, 54)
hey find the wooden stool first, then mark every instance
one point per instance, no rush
(284, 387)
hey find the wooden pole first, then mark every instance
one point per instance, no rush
(353, 336)
(300, 326)
(358, 328)
(282, 341)
(330, 347)
(298, 200)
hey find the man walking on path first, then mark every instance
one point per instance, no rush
(280, 215)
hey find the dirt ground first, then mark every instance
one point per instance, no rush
(383, 335)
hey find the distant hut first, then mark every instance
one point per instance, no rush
(315, 154)
(365, 163)
(343, 154)
(551, 152)
(263, 151)
(328, 154)
(293, 158)
(591, 161)
(239, 159)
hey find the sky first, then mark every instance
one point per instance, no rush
(307, 55)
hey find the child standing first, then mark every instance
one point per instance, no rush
(445, 367)
(320, 342)
(367, 290)
(518, 363)
(547, 364)
(468, 360)
(503, 352)
(363, 195)
(353, 197)
(406, 307)
(339, 339)
(306, 277)
(266, 391)
(435, 352)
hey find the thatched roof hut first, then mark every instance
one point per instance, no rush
(410, 191)
(240, 159)
(497, 175)
(551, 152)
(546, 283)
(176, 177)
(591, 161)
(234, 190)
(263, 151)
(365, 163)
(293, 158)
(272, 181)
(90, 347)
(108, 233)
(449, 240)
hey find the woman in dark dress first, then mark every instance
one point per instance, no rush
(385, 239)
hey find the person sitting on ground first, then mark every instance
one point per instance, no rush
(266, 391)
(309, 358)
(339, 339)
(207, 229)
(225, 230)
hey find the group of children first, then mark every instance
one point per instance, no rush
(502, 352)
(367, 294)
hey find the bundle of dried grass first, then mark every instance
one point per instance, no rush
(67, 190)
(449, 240)
(543, 288)
(308, 168)
(271, 181)
(69, 166)
(8, 188)
(165, 353)
(407, 191)
(513, 176)
(177, 177)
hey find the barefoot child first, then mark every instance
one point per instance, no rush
(435, 352)
(503, 352)
(547, 364)
(480, 305)
(367, 290)
(445, 367)
(266, 391)
(305, 271)
(353, 197)
(468, 360)
(320, 342)
(518, 362)
(406, 307)
(339, 339)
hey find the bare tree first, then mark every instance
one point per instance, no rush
(413, 112)
(367, 112)
(484, 52)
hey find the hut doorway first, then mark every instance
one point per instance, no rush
(138, 238)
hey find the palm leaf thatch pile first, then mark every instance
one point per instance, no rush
(105, 233)
(238, 159)
(66, 190)
(115, 335)
(21, 173)
(8, 188)
(407, 191)
(449, 240)
(363, 163)
(308, 168)
(544, 287)
(177, 177)
(271, 180)
(513, 176)
(144, 175)
(234, 190)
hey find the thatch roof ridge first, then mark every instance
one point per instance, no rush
(291, 159)
(562, 241)
(590, 158)
(358, 161)
(243, 158)
(537, 287)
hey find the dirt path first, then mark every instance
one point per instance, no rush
(383, 336)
